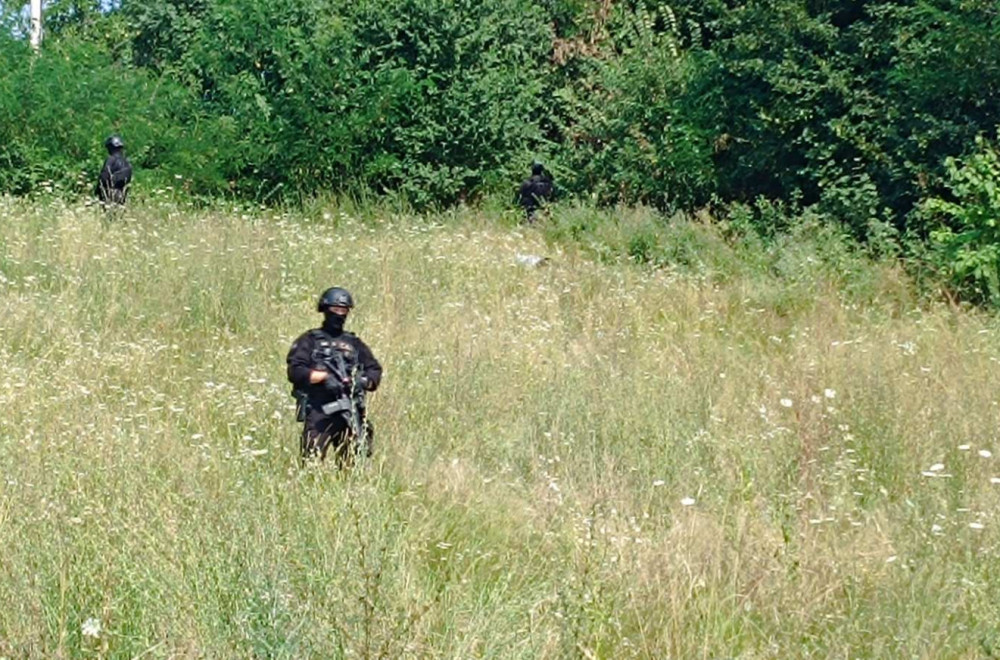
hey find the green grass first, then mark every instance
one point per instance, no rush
(537, 431)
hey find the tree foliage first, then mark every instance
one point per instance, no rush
(965, 240)
(56, 111)
(847, 108)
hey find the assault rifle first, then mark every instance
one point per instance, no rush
(350, 385)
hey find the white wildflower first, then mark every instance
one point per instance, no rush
(963, 448)
(976, 525)
(787, 403)
(937, 467)
(91, 628)
(687, 501)
(829, 393)
(985, 453)
(659, 482)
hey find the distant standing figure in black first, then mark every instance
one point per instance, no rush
(112, 185)
(535, 192)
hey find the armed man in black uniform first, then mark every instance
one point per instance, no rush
(116, 174)
(331, 370)
(535, 191)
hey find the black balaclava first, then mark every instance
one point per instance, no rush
(333, 324)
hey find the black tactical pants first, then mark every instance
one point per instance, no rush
(322, 433)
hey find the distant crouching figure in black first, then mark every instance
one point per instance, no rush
(535, 192)
(112, 185)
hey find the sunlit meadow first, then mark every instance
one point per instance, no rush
(586, 458)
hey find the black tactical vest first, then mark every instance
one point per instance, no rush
(327, 349)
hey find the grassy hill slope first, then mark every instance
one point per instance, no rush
(584, 459)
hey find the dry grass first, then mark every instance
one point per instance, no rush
(538, 430)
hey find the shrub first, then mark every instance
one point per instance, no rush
(56, 109)
(965, 245)
(625, 138)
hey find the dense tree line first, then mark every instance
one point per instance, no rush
(860, 111)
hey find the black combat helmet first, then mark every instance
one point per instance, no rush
(114, 143)
(537, 168)
(334, 297)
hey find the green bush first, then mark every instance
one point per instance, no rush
(625, 137)
(846, 110)
(965, 245)
(56, 109)
(845, 106)
(424, 97)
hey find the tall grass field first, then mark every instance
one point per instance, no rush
(730, 451)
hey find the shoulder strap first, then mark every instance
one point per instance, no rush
(320, 333)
